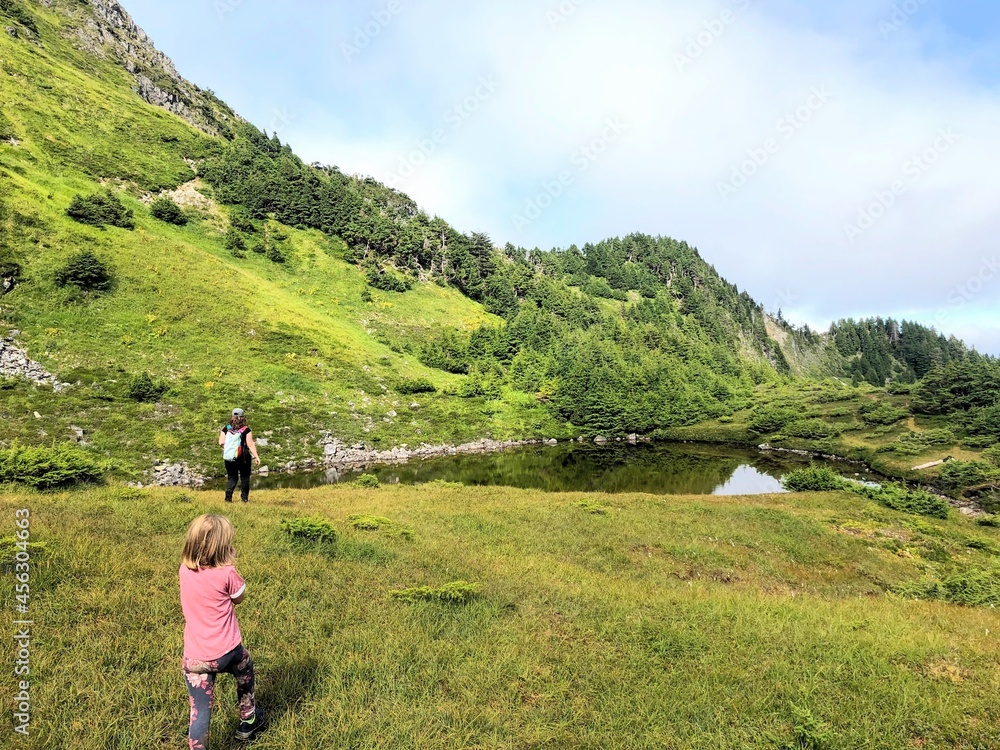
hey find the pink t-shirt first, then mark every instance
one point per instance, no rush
(210, 628)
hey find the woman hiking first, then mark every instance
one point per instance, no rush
(237, 451)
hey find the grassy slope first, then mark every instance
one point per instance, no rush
(675, 622)
(184, 307)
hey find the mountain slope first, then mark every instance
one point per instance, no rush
(320, 302)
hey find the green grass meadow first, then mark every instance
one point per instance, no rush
(662, 622)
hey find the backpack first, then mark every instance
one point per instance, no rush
(236, 443)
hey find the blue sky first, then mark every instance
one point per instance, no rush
(834, 160)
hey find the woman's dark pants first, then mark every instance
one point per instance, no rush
(238, 471)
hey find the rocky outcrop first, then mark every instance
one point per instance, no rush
(104, 29)
(176, 475)
(15, 363)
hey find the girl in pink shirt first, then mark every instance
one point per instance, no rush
(210, 589)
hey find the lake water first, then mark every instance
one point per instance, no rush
(662, 468)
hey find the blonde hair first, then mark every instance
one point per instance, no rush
(209, 543)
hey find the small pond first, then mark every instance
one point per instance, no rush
(661, 468)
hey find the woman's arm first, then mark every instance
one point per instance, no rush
(253, 448)
(222, 438)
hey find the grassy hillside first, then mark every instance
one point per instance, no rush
(299, 344)
(676, 622)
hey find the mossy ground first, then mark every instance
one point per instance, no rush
(681, 622)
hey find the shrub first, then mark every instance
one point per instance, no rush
(589, 506)
(810, 429)
(315, 530)
(363, 522)
(814, 479)
(456, 592)
(48, 468)
(144, 389)
(85, 271)
(367, 480)
(11, 546)
(971, 587)
(992, 454)
(240, 221)
(959, 474)
(166, 210)
(419, 385)
(906, 500)
(100, 209)
(275, 254)
(881, 413)
(767, 419)
(233, 241)
(389, 282)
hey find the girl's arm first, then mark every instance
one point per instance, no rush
(252, 447)
(222, 438)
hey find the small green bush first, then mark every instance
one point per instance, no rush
(418, 385)
(975, 586)
(810, 429)
(275, 254)
(101, 209)
(240, 221)
(48, 468)
(389, 282)
(233, 241)
(957, 475)
(881, 413)
(456, 592)
(11, 546)
(992, 455)
(814, 479)
(906, 500)
(166, 210)
(86, 272)
(589, 506)
(314, 530)
(367, 480)
(363, 522)
(144, 389)
(767, 419)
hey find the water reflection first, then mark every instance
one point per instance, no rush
(657, 469)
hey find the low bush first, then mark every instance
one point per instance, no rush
(810, 429)
(589, 506)
(389, 282)
(166, 210)
(456, 592)
(367, 480)
(906, 500)
(881, 413)
(767, 419)
(957, 475)
(363, 522)
(315, 530)
(418, 385)
(49, 468)
(814, 479)
(144, 389)
(86, 272)
(977, 586)
(101, 209)
(992, 455)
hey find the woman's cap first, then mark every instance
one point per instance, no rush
(238, 412)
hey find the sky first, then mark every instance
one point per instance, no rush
(832, 159)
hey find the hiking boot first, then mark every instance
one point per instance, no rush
(250, 729)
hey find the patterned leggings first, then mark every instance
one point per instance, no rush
(200, 676)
